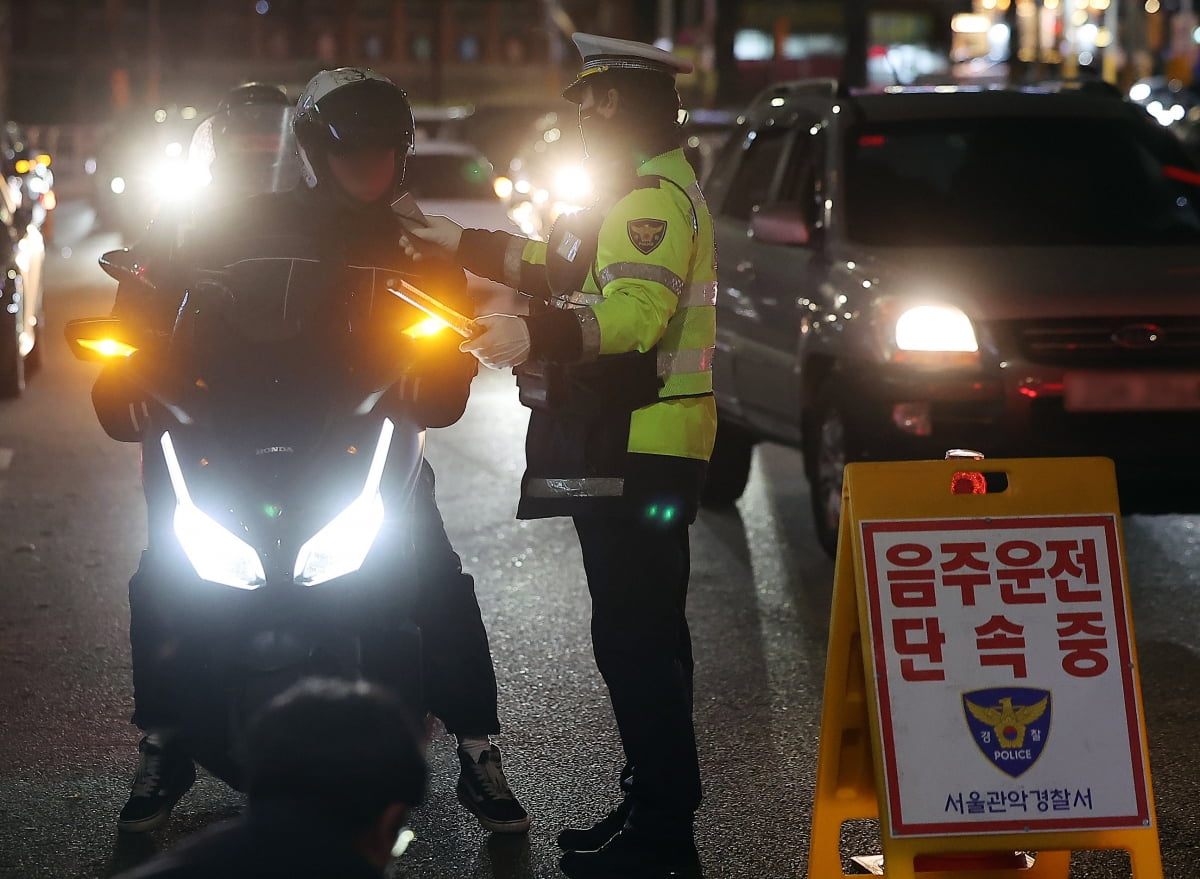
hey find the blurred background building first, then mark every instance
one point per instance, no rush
(72, 69)
(81, 60)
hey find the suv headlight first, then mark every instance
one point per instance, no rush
(934, 335)
(216, 553)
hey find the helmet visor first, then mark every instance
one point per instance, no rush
(246, 150)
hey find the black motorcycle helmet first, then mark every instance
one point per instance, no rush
(351, 108)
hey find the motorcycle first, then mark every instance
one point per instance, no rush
(279, 481)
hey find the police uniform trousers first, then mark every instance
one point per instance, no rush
(637, 574)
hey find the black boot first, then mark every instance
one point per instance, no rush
(632, 855)
(588, 839)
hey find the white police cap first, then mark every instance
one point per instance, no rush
(608, 53)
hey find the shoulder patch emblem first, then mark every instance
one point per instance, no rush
(646, 234)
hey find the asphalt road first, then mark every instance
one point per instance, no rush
(71, 526)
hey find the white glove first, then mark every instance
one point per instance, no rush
(503, 342)
(440, 234)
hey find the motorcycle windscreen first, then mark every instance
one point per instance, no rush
(280, 339)
(245, 151)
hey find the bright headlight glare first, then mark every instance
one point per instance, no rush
(175, 181)
(572, 183)
(216, 553)
(341, 547)
(935, 328)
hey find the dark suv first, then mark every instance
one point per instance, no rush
(906, 272)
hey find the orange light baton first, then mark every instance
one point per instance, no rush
(433, 307)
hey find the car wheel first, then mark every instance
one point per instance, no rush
(12, 364)
(729, 467)
(826, 448)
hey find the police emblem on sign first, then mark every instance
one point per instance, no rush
(1009, 725)
(646, 234)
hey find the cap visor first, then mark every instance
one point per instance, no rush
(574, 92)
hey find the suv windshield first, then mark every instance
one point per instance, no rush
(1019, 181)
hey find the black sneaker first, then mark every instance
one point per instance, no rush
(630, 855)
(164, 774)
(588, 839)
(484, 790)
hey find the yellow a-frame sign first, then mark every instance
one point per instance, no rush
(981, 688)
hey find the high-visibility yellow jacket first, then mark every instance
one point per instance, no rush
(620, 379)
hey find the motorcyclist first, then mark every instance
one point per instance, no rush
(246, 146)
(354, 131)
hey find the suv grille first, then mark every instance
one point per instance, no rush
(1113, 342)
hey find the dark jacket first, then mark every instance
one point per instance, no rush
(272, 840)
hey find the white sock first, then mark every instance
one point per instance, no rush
(474, 746)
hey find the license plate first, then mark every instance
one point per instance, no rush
(1131, 391)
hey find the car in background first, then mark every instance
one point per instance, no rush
(30, 179)
(22, 316)
(441, 123)
(915, 270)
(456, 180)
(704, 134)
(547, 177)
(143, 166)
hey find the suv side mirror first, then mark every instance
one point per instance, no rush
(780, 223)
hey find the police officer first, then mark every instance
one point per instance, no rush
(616, 368)
(354, 132)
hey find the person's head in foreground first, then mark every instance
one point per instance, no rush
(347, 752)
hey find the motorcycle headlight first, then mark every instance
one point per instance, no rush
(215, 553)
(341, 547)
(934, 335)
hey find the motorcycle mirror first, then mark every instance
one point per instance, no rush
(98, 339)
(121, 265)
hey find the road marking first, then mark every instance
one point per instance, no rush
(6, 456)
